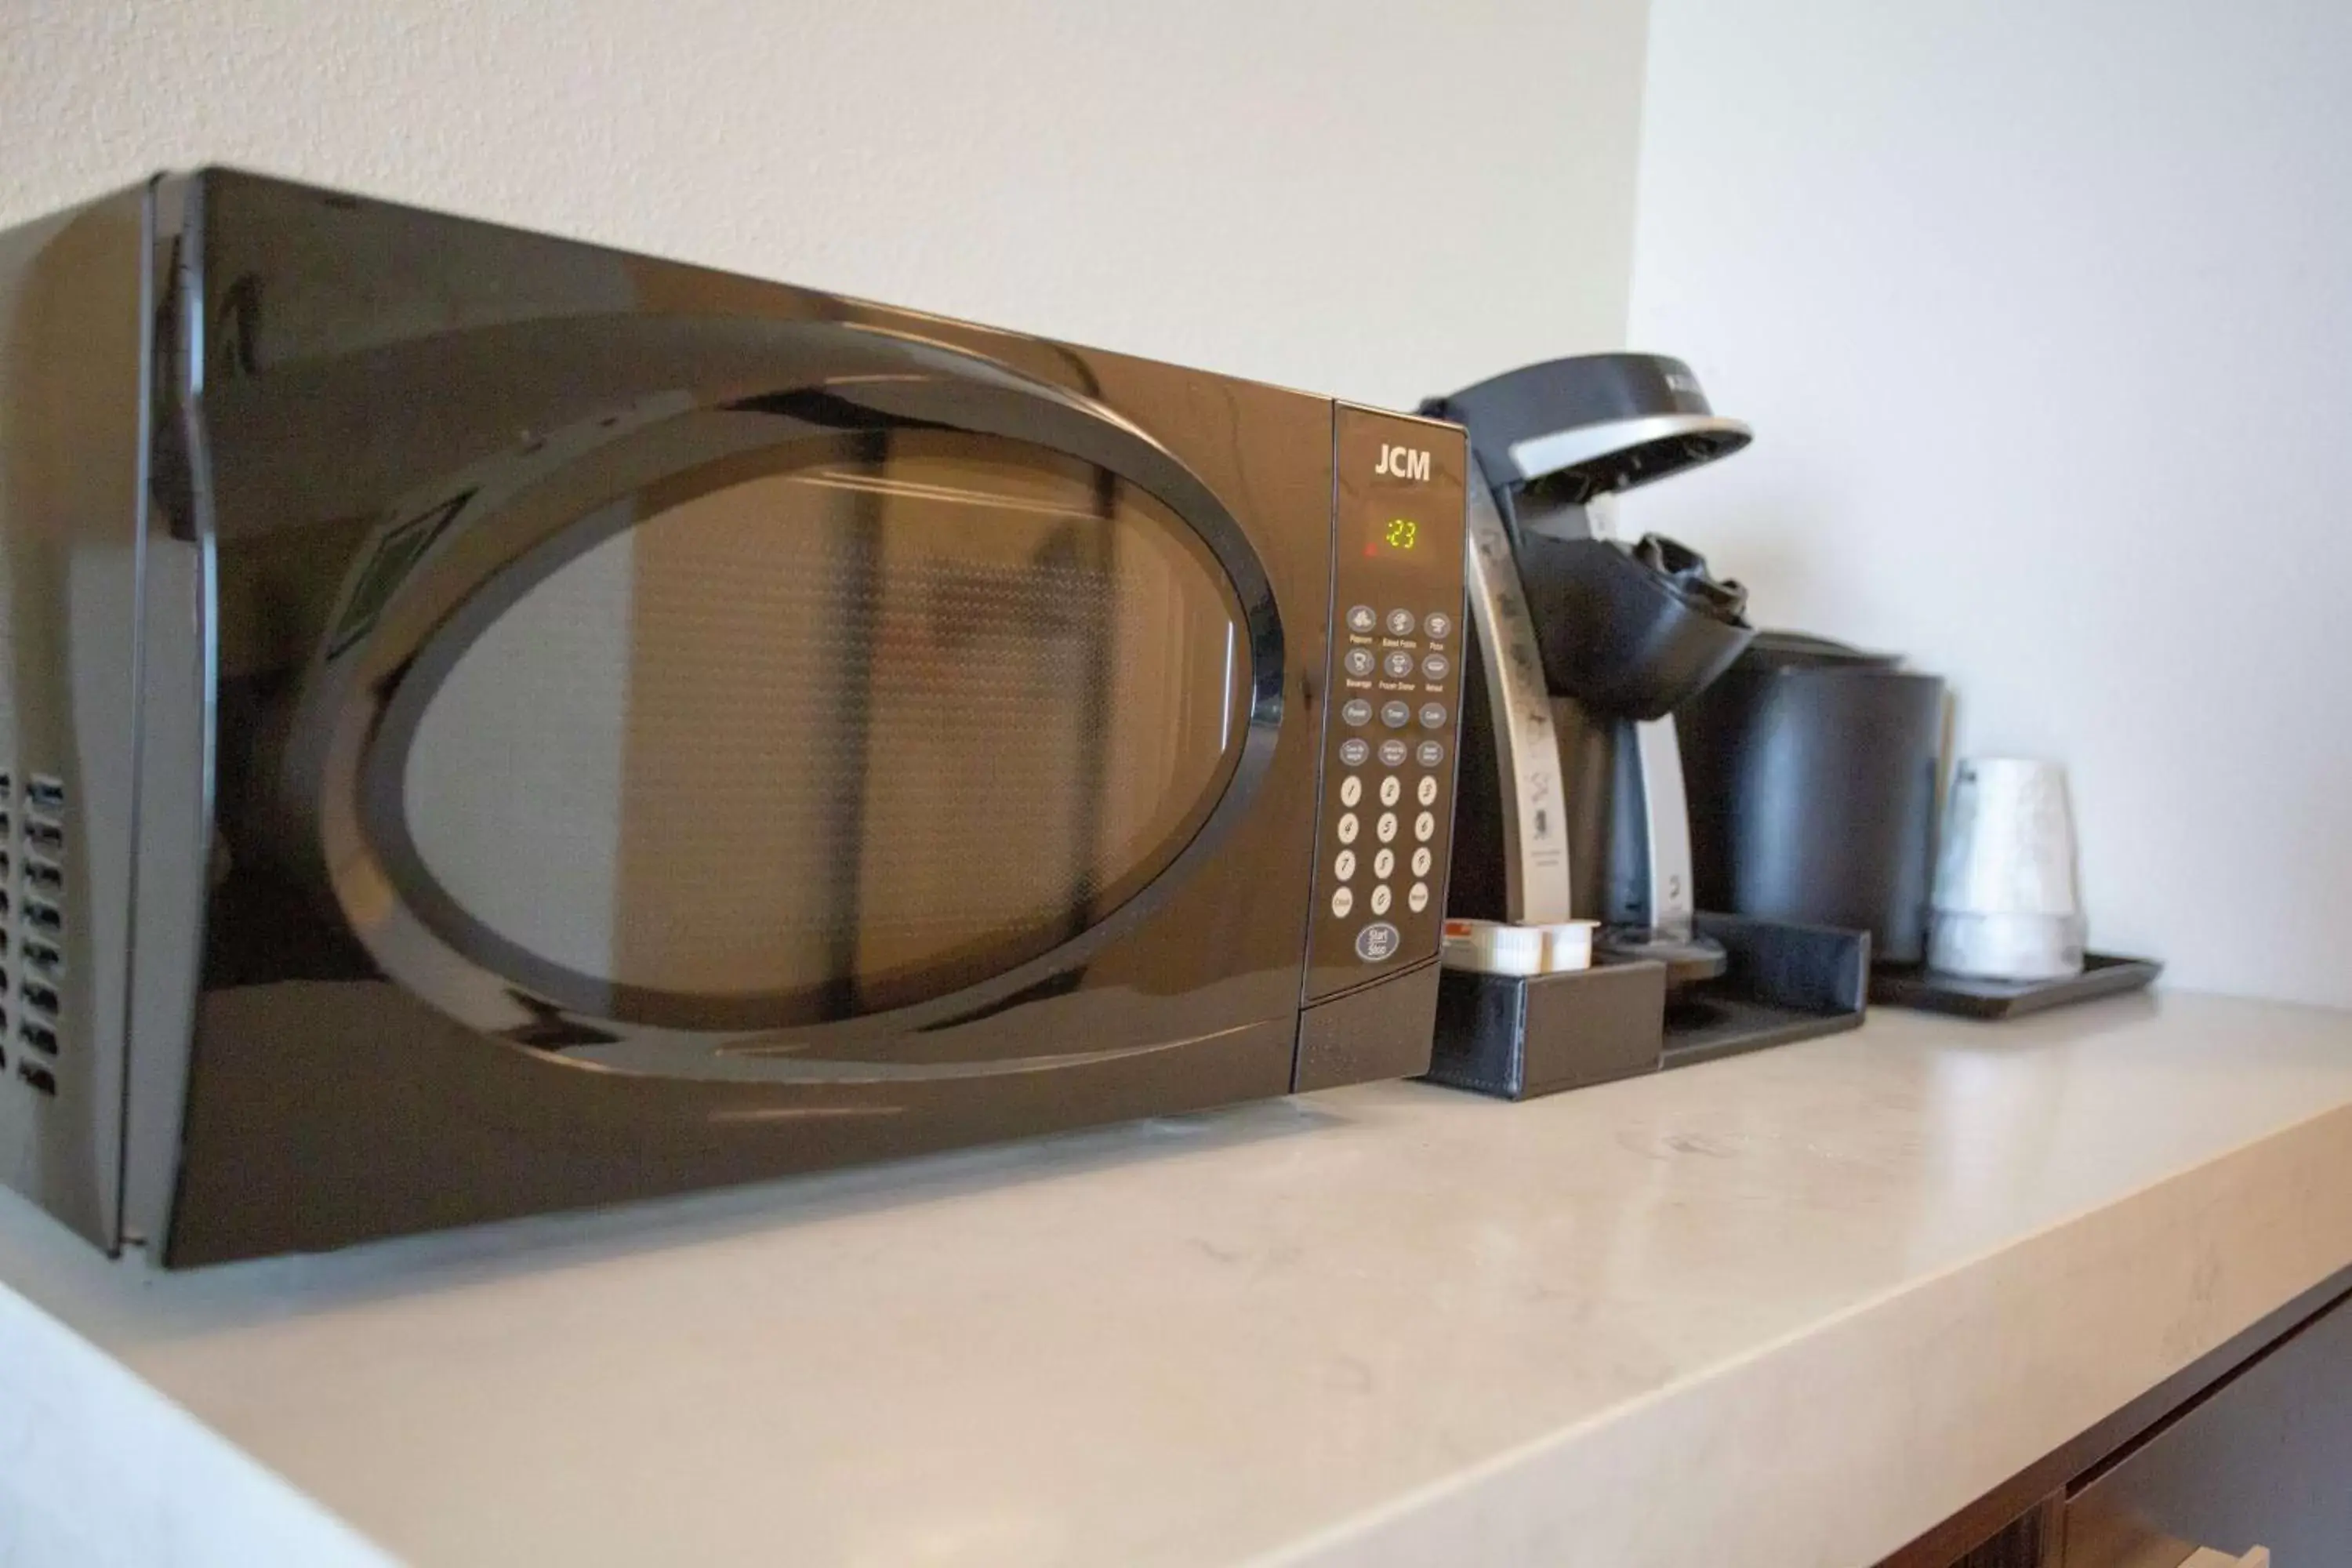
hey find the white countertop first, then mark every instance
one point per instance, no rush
(1785, 1308)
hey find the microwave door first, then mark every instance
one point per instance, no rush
(752, 740)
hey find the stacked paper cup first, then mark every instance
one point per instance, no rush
(2005, 905)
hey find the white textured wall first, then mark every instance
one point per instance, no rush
(2044, 315)
(1278, 188)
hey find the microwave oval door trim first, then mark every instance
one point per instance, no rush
(464, 561)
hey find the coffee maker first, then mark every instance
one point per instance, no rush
(1570, 802)
(1584, 646)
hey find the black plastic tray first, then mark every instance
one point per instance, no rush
(1913, 986)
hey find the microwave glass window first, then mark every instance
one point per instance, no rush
(845, 735)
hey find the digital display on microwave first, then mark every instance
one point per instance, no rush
(1392, 535)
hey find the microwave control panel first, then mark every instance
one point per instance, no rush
(1393, 699)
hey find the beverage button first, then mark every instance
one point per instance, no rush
(1385, 828)
(1424, 826)
(1381, 898)
(1436, 666)
(1355, 750)
(1438, 625)
(1343, 865)
(1343, 901)
(1356, 711)
(1399, 664)
(1352, 790)
(1417, 898)
(1390, 790)
(1429, 754)
(1424, 791)
(1397, 715)
(1378, 942)
(1401, 623)
(1422, 859)
(1433, 715)
(1359, 662)
(1393, 753)
(1383, 863)
(1362, 621)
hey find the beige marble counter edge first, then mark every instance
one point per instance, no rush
(1992, 1363)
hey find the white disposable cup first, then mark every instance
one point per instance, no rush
(2006, 905)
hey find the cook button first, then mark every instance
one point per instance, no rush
(1433, 714)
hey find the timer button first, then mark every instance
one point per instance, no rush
(1397, 715)
(1355, 750)
(1357, 711)
(1401, 623)
(1359, 661)
(1398, 663)
(1433, 714)
(1436, 666)
(1393, 753)
(1438, 625)
(1429, 752)
(1362, 620)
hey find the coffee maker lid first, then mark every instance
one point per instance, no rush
(1592, 424)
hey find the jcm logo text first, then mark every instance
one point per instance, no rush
(1403, 463)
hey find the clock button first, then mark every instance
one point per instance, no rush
(1433, 714)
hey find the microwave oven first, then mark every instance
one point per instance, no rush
(491, 725)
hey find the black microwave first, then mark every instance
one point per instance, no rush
(490, 723)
